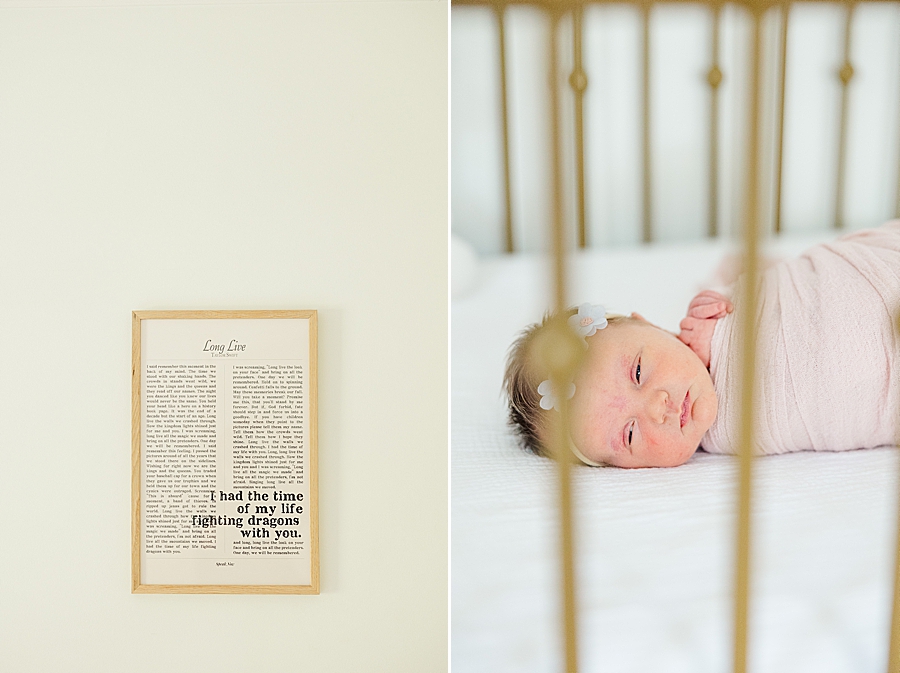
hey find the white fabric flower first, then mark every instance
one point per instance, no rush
(548, 399)
(588, 320)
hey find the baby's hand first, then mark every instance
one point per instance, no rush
(697, 328)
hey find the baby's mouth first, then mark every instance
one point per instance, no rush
(686, 408)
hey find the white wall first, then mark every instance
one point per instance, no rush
(284, 155)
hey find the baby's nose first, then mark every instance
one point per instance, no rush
(660, 406)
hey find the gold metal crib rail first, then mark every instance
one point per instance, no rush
(556, 348)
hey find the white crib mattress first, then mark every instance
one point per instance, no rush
(654, 547)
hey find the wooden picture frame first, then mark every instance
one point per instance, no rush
(224, 452)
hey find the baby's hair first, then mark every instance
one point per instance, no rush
(521, 380)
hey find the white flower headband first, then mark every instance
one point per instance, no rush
(585, 323)
(548, 399)
(588, 320)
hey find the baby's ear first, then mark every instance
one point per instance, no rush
(638, 316)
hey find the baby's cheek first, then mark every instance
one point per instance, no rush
(662, 452)
(617, 403)
(651, 443)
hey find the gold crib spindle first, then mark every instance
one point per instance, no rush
(845, 74)
(748, 339)
(714, 77)
(645, 123)
(578, 82)
(563, 359)
(779, 157)
(500, 13)
(897, 197)
(894, 646)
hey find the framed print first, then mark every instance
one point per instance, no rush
(224, 452)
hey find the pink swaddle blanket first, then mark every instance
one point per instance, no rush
(827, 351)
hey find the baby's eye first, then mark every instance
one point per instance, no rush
(637, 372)
(630, 432)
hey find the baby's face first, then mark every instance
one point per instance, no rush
(642, 398)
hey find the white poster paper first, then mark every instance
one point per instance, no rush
(225, 409)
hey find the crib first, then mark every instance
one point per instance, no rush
(557, 567)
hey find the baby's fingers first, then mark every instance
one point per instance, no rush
(688, 325)
(711, 297)
(695, 334)
(706, 311)
(706, 297)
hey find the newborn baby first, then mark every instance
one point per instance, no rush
(826, 356)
